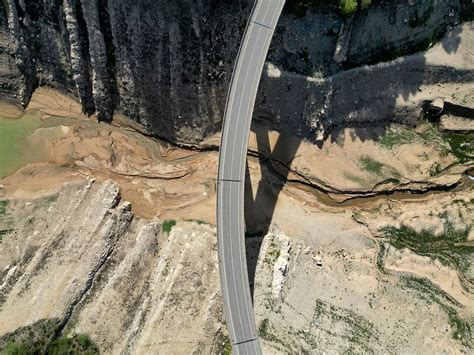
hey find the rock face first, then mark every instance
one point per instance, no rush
(347, 291)
(394, 276)
(167, 64)
(372, 95)
(82, 261)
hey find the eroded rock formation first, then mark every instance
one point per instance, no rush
(167, 64)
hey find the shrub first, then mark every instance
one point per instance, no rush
(168, 225)
(78, 344)
(371, 165)
(348, 7)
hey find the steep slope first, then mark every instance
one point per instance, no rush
(80, 260)
(167, 64)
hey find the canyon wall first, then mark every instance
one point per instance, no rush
(168, 64)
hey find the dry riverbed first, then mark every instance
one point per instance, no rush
(376, 233)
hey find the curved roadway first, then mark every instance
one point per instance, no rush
(230, 184)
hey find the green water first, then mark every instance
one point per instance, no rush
(15, 151)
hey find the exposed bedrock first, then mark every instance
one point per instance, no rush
(168, 64)
(98, 269)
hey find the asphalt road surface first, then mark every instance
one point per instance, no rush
(230, 185)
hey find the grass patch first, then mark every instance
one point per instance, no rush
(371, 165)
(461, 146)
(78, 344)
(168, 225)
(357, 329)
(274, 252)
(3, 207)
(435, 169)
(263, 328)
(40, 338)
(393, 139)
(448, 247)
(225, 346)
(381, 257)
(431, 293)
(51, 199)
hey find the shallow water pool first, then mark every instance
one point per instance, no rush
(15, 150)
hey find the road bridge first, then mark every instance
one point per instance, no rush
(231, 176)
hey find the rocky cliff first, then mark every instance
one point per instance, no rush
(167, 64)
(384, 278)
(158, 290)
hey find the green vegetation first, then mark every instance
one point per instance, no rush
(227, 347)
(168, 225)
(393, 139)
(449, 247)
(461, 146)
(431, 293)
(358, 330)
(13, 133)
(348, 7)
(18, 349)
(3, 207)
(198, 221)
(263, 328)
(223, 345)
(274, 255)
(78, 344)
(5, 220)
(50, 199)
(381, 257)
(344, 7)
(41, 338)
(435, 169)
(371, 165)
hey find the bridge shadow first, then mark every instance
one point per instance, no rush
(458, 110)
(367, 100)
(449, 109)
(274, 159)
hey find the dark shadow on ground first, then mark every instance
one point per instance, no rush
(259, 205)
(318, 111)
(315, 109)
(458, 110)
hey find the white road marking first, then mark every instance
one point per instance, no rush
(236, 126)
